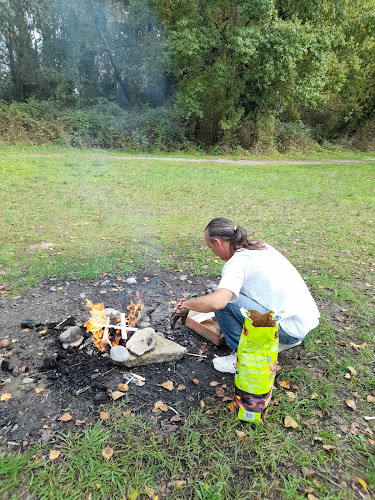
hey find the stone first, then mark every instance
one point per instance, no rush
(70, 335)
(4, 343)
(145, 324)
(131, 281)
(212, 287)
(27, 323)
(100, 397)
(141, 341)
(165, 350)
(119, 354)
(76, 343)
(28, 380)
(183, 277)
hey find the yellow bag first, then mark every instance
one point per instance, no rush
(256, 366)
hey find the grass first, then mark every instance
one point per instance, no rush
(103, 215)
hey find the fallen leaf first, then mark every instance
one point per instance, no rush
(181, 387)
(308, 472)
(213, 383)
(175, 418)
(240, 434)
(127, 414)
(123, 387)
(65, 418)
(39, 390)
(6, 396)
(202, 404)
(328, 447)
(149, 491)
(314, 396)
(357, 346)
(219, 392)
(289, 422)
(141, 383)
(371, 441)
(53, 454)
(79, 422)
(351, 404)
(319, 413)
(107, 452)
(318, 438)
(347, 376)
(42, 331)
(310, 423)
(227, 398)
(167, 385)
(285, 384)
(159, 405)
(133, 495)
(370, 399)
(352, 371)
(291, 395)
(196, 381)
(232, 406)
(104, 415)
(362, 483)
(117, 395)
(310, 496)
(343, 343)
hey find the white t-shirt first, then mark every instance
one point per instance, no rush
(270, 279)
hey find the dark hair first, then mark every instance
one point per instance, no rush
(226, 230)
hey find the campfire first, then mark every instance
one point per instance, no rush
(109, 326)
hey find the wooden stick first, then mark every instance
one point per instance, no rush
(118, 327)
(197, 355)
(138, 376)
(124, 335)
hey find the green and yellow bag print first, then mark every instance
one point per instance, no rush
(256, 365)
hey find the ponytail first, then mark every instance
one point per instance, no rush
(236, 235)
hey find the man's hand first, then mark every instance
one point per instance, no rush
(179, 312)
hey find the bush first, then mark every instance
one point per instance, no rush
(292, 137)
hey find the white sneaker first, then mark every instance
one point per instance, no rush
(226, 364)
(285, 347)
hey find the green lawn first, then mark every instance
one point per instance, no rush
(107, 215)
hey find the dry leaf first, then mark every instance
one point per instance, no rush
(202, 404)
(53, 454)
(104, 415)
(6, 396)
(362, 483)
(285, 384)
(219, 392)
(328, 447)
(351, 404)
(352, 371)
(175, 418)
(232, 406)
(159, 405)
(240, 434)
(291, 395)
(314, 396)
(150, 492)
(371, 441)
(319, 413)
(370, 399)
(213, 383)
(80, 422)
(310, 496)
(39, 390)
(357, 346)
(65, 418)
(107, 452)
(318, 438)
(347, 376)
(227, 398)
(196, 381)
(167, 385)
(123, 387)
(141, 383)
(127, 414)
(181, 387)
(308, 472)
(117, 395)
(289, 422)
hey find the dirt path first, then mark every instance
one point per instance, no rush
(205, 160)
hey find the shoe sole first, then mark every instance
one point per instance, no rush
(286, 347)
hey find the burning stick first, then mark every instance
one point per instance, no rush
(105, 338)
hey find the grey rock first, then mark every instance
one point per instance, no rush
(27, 323)
(105, 282)
(118, 354)
(82, 295)
(76, 343)
(183, 277)
(28, 380)
(100, 397)
(141, 341)
(145, 324)
(131, 281)
(164, 350)
(70, 335)
(53, 289)
(212, 287)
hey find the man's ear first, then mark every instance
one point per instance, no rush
(218, 242)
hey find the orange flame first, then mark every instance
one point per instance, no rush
(100, 334)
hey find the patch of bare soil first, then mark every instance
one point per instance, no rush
(51, 381)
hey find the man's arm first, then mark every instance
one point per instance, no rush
(208, 303)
